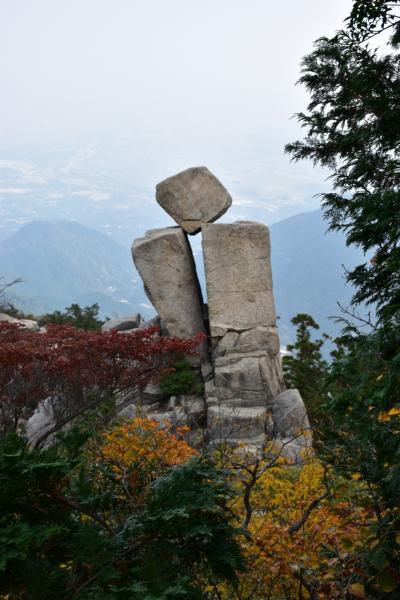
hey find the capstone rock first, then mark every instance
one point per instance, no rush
(193, 197)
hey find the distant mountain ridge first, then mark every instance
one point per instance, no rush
(308, 268)
(62, 262)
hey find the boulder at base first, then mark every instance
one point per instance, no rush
(25, 323)
(290, 414)
(123, 324)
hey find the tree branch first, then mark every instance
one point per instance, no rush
(314, 504)
(77, 506)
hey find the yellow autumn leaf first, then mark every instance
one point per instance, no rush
(383, 417)
(386, 416)
(356, 476)
(275, 556)
(357, 590)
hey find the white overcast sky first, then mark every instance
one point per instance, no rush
(184, 65)
(140, 89)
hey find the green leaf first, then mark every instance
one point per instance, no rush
(386, 581)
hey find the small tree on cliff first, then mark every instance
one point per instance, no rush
(304, 368)
(5, 305)
(82, 318)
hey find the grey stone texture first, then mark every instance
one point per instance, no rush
(25, 323)
(151, 394)
(266, 338)
(164, 260)
(40, 421)
(236, 422)
(238, 276)
(193, 197)
(290, 414)
(124, 324)
(245, 341)
(189, 410)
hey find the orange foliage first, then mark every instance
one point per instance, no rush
(134, 454)
(292, 553)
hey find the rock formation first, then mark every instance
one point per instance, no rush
(122, 324)
(245, 397)
(25, 323)
(244, 338)
(193, 197)
(238, 276)
(164, 260)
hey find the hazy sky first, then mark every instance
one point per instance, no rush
(160, 85)
(189, 65)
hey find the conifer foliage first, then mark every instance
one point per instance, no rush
(129, 516)
(304, 368)
(352, 127)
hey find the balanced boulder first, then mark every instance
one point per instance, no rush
(193, 197)
(244, 391)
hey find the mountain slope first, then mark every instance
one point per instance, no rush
(308, 271)
(61, 262)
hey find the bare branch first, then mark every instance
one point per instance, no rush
(365, 321)
(309, 587)
(77, 506)
(5, 286)
(313, 505)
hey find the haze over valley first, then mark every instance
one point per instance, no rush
(87, 134)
